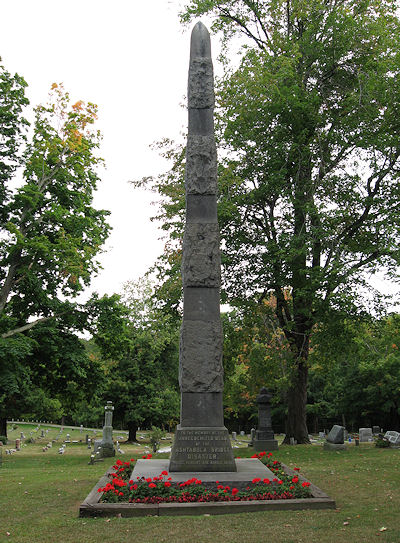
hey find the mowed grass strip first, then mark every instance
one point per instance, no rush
(41, 492)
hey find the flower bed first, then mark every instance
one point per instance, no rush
(161, 489)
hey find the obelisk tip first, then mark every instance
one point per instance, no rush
(200, 43)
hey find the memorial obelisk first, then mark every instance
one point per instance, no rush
(201, 440)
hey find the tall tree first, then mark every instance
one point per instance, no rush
(308, 126)
(50, 231)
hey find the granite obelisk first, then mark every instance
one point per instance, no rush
(201, 441)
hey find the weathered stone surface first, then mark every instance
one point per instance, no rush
(201, 304)
(201, 83)
(201, 409)
(201, 208)
(201, 165)
(336, 435)
(201, 257)
(201, 357)
(365, 434)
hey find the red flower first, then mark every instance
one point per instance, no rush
(132, 460)
(267, 481)
(148, 480)
(131, 482)
(256, 480)
(119, 463)
(291, 487)
(234, 491)
(295, 480)
(149, 455)
(269, 455)
(280, 482)
(227, 488)
(167, 483)
(296, 469)
(121, 493)
(220, 487)
(164, 472)
(254, 456)
(152, 485)
(305, 484)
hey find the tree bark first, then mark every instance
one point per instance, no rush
(132, 429)
(296, 423)
(3, 426)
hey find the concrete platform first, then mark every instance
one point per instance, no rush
(247, 470)
(91, 507)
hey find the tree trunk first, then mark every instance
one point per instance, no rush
(3, 426)
(132, 429)
(296, 423)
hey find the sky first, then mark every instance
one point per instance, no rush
(131, 59)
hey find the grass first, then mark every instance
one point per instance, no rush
(40, 495)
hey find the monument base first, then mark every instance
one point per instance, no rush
(202, 449)
(246, 469)
(265, 445)
(106, 450)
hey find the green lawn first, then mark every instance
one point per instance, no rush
(40, 495)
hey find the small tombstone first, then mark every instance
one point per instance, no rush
(264, 439)
(335, 439)
(81, 428)
(242, 432)
(87, 439)
(89, 443)
(18, 444)
(376, 430)
(22, 435)
(321, 435)
(42, 433)
(68, 439)
(252, 437)
(365, 435)
(234, 436)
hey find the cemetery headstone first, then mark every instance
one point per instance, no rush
(252, 437)
(365, 435)
(234, 436)
(67, 438)
(106, 446)
(18, 444)
(335, 439)
(201, 440)
(42, 433)
(376, 430)
(264, 439)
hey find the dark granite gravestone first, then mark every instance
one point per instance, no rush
(201, 440)
(335, 439)
(264, 438)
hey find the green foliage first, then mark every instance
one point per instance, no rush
(155, 437)
(308, 177)
(51, 236)
(142, 377)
